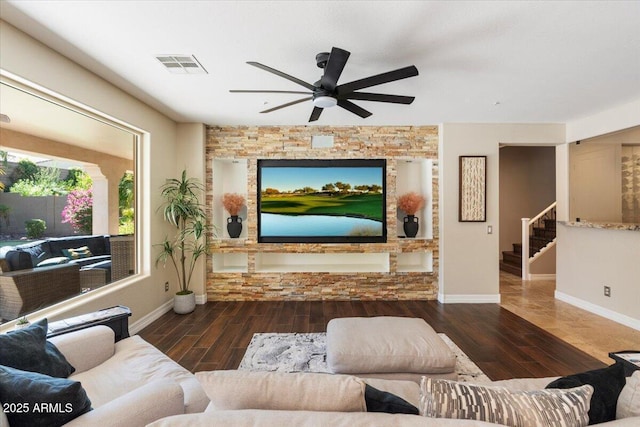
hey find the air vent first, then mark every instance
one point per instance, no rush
(181, 64)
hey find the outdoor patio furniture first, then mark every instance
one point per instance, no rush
(23, 291)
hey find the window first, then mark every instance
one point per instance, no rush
(67, 203)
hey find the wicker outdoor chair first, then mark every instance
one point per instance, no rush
(122, 257)
(24, 291)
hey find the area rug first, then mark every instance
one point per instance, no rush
(297, 352)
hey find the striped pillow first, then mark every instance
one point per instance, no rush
(557, 408)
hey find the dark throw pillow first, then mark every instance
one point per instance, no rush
(607, 384)
(30, 399)
(382, 401)
(28, 349)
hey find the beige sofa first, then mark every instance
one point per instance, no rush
(130, 383)
(241, 399)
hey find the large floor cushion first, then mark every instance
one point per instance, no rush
(388, 347)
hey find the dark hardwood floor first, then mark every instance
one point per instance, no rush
(502, 344)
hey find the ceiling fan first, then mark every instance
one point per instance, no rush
(326, 92)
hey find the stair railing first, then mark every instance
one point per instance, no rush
(527, 229)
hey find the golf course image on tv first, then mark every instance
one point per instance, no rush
(340, 200)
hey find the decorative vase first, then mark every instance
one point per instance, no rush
(234, 226)
(410, 225)
(184, 304)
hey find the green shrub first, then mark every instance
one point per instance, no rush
(35, 228)
(24, 170)
(45, 182)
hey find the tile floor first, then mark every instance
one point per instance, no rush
(593, 334)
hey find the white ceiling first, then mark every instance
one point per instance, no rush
(503, 61)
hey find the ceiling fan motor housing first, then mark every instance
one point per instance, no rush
(321, 59)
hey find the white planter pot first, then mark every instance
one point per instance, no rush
(22, 325)
(183, 304)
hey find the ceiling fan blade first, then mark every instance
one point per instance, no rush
(380, 97)
(348, 105)
(283, 75)
(333, 69)
(315, 114)
(267, 91)
(390, 76)
(297, 101)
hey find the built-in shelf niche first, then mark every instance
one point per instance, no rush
(421, 262)
(274, 262)
(230, 262)
(229, 176)
(416, 175)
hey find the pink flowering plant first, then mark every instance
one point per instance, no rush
(79, 211)
(411, 203)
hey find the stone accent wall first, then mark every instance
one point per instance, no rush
(392, 143)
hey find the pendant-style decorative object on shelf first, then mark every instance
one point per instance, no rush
(411, 225)
(234, 226)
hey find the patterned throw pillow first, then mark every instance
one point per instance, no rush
(557, 408)
(77, 253)
(629, 399)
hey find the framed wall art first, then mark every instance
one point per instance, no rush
(472, 203)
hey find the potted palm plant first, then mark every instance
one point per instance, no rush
(182, 209)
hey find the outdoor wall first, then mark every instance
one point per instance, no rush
(26, 58)
(469, 268)
(47, 208)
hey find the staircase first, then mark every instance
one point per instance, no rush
(541, 233)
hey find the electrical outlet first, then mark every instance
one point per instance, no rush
(607, 291)
(166, 286)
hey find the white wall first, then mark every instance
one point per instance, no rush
(588, 259)
(469, 270)
(190, 156)
(25, 58)
(592, 258)
(527, 186)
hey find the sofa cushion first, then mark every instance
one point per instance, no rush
(451, 399)
(38, 250)
(134, 364)
(53, 261)
(386, 344)
(33, 399)
(88, 261)
(229, 390)
(607, 384)
(98, 245)
(18, 260)
(629, 399)
(266, 418)
(28, 349)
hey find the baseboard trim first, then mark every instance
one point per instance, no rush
(600, 311)
(542, 277)
(469, 299)
(145, 321)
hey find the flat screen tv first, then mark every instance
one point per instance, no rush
(322, 201)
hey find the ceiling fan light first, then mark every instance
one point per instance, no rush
(324, 101)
